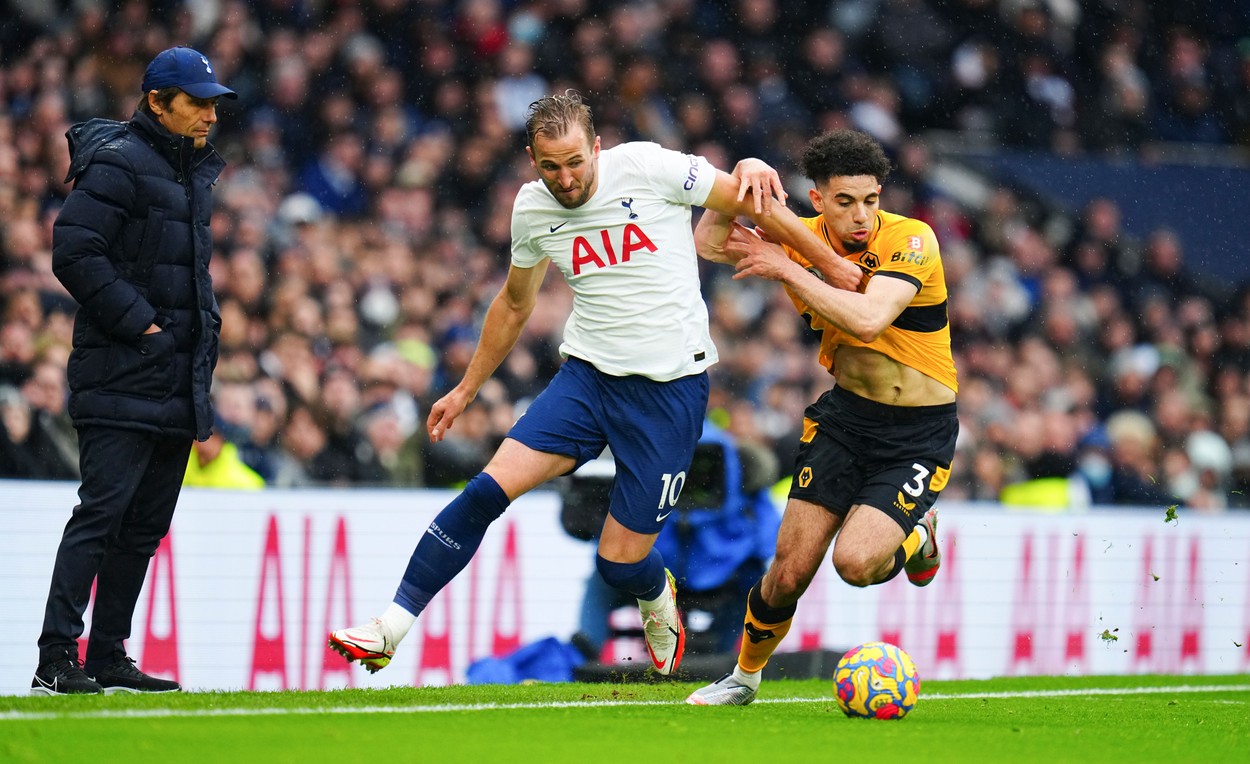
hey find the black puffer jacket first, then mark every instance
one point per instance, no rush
(132, 245)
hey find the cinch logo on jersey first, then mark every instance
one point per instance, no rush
(443, 538)
(693, 176)
(632, 240)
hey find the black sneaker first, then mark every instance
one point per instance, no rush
(124, 676)
(63, 676)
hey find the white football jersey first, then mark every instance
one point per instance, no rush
(628, 254)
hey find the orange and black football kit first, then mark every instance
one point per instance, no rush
(858, 451)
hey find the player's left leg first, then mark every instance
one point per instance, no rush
(652, 429)
(628, 561)
(558, 432)
(446, 547)
(905, 456)
(802, 541)
(866, 552)
(893, 524)
(872, 548)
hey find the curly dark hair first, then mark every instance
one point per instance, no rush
(844, 153)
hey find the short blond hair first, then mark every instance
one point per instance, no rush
(552, 116)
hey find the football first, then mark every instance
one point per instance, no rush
(876, 680)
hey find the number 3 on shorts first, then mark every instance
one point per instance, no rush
(915, 486)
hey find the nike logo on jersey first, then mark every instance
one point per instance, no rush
(555, 228)
(660, 518)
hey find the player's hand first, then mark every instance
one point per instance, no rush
(444, 412)
(761, 181)
(850, 279)
(755, 256)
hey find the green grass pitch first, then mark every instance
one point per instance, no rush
(1040, 719)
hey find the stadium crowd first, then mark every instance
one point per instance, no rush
(363, 220)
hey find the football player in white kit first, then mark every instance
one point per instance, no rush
(617, 223)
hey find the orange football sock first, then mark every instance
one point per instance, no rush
(763, 631)
(912, 543)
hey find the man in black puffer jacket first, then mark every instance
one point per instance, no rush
(132, 245)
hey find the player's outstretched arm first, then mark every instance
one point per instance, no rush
(781, 225)
(864, 316)
(759, 182)
(757, 179)
(505, 319)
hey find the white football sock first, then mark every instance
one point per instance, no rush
(659, 603)
(397, 621)
(747, 679)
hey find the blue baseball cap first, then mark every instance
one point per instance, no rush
(185, 69)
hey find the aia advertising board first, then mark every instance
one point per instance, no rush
(246, 586)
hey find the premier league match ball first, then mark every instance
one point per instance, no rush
(876, 680)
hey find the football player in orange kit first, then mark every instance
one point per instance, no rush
(876, 449)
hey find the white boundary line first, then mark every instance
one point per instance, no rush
(164, 713)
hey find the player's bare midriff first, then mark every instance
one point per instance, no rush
(879, 378)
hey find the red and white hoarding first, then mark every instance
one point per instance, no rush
(244, 589)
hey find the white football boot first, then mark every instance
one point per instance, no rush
(371, 645)
(663, 630)
(726, 691)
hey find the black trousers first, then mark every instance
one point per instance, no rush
(130, 486)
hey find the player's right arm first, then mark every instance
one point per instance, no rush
(862, 315)
(505, 319)
(780, 224)
(755, 177)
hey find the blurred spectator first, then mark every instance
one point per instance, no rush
(17, 352)
(1211, 462)
(1119, 119)
(1183, 106)
(818, 70)
(55, 439)
(215, 463)
(27, 450)
(348, 454)
(334, 177)
(518, 85)
(909, 41)
(1165, 273)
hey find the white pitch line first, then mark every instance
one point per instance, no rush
(166, 713)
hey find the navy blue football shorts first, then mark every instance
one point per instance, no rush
(857, 451)
(651, 427)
